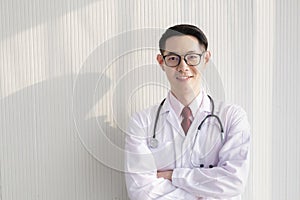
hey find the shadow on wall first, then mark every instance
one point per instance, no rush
(42, 150)
(26, 14)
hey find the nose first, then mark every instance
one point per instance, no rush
(183, 66)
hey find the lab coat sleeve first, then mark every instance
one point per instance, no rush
(229, 177)
(141, 171)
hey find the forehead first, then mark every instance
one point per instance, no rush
(183, 44)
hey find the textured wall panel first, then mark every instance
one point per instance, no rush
(262, 98)
(73, 71)
(285, 134)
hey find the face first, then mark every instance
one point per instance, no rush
(184, 78)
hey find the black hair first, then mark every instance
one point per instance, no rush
(183, 29)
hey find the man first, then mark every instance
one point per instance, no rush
(189, 146)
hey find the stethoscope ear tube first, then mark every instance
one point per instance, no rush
(153, 140)
(219, 121)
(215, 116)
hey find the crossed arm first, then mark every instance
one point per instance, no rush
(143, 181)
(165, 174)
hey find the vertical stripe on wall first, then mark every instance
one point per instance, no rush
(262, 98)
(286, 73)
(72, 72)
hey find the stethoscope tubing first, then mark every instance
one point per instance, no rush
(154, 141)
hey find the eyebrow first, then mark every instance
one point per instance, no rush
(173, 53)
(192, 52)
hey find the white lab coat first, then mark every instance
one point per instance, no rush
(225, 180)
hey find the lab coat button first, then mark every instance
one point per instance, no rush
(201, 165)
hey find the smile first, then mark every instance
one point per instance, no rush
(184, 77)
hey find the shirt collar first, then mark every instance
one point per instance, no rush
(177, 106)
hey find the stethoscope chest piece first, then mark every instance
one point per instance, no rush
(153, 143)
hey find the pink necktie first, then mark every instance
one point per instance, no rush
(186, 122)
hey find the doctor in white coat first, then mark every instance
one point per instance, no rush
(167, 156)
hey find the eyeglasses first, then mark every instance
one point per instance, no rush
(191, 59)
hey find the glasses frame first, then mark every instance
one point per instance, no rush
(184, 58)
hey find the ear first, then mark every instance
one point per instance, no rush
(160, 61)
(207, 55)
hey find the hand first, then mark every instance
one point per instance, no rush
(165, 175)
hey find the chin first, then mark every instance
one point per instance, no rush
(186, 89)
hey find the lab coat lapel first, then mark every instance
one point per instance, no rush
(171, 117)
(204, 110)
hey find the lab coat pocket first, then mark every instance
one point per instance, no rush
(207, 144)
(164, 155)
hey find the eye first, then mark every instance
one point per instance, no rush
(172, 58)
(192, 56)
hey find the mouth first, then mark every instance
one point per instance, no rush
(184, 78)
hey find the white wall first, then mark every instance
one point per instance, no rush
(72, 72)
(285, 103)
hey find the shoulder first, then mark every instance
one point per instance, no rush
(145, 116)
(229, 108)
(232, 115)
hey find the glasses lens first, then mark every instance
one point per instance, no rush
(172, 60)
(193, 59)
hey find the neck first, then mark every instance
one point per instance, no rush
(185, 97)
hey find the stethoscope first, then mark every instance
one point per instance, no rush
(154, 142)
